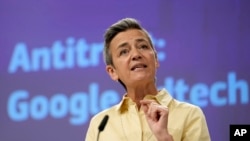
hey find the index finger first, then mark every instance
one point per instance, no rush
(146, 102)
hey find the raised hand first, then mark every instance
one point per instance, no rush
(157, 117)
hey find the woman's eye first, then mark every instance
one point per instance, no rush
(144, 46)
(122, 52)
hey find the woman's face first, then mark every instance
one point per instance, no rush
(133, 57)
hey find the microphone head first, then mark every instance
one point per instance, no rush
(103, 123)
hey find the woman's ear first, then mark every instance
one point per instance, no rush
(112, 72)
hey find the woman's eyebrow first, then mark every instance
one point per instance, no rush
(122, 45)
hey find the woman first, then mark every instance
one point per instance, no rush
(144, 113)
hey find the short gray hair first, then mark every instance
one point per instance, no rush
(120, 26)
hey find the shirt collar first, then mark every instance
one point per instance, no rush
(163, 97)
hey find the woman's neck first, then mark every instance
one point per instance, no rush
(138, 93)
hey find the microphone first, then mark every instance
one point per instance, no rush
(102, 125)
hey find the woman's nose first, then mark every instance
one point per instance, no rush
(136, 55)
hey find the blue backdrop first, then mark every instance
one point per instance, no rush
(53, 79)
